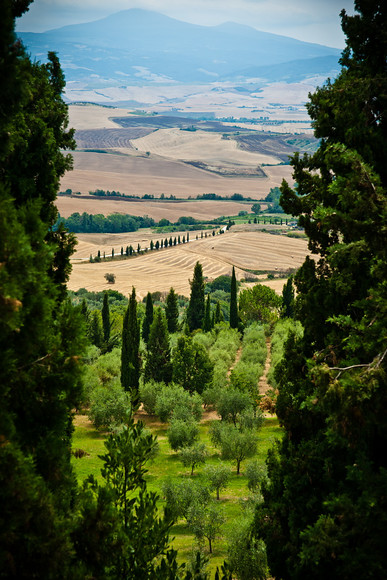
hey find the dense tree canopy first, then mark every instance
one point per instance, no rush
(325, 510)
(40, 334)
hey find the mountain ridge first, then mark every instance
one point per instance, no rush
(99, 53)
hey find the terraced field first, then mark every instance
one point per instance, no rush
(159, 270)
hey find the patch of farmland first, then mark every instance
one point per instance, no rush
(170, 122)
(159, 270)
(132, 174)
(88, 116)
(200, 145)
(170, 210)
(280, 145)
(109, 138)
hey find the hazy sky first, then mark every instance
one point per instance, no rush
(309, 20)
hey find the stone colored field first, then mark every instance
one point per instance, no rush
(200, 145)
(171, 210)
(159, 270)
(94, 117)
(139, 174)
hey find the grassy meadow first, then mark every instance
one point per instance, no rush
(167, 465)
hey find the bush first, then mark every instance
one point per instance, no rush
(110, 278)
(148, 395)
(109, 406)
(182, 433)
(180, 495)
(174, 401)
(246, 554)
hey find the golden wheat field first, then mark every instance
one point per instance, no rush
(138, 174)
(159, 270)
(171, 210)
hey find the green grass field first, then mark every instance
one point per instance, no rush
(167, 465)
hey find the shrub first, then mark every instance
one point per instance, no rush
(182, 433)
(109, 406)
(174, 401)
(148, 395)
(180, 495)
(110, 278)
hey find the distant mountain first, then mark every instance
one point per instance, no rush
(138, 47)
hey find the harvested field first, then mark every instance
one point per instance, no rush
(109, 138)
(171, 210)
(140, 174)
(281, 146)
(200, 145)
(159, 270)
(86, 116)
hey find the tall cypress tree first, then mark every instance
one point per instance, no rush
(234, 319)
(196, 306)
(218, 313)
(106, 318)
(130, 353)
(172, 311)
(148, 317)
(158, 358)
(207, 316)
(41, 340)
(287, 308)
(332, 381)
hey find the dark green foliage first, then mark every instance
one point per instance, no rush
(195, 310)
(325, 508)
(130, 356)
(207, 322)
(287, 308)
(98, 223)
(256, 208)
(218, 313)
(158, 365)
(172, 311)
(41, 338)
(148, 317)
(192, 367)
(234, 318)
(106, 318)
(94, 330)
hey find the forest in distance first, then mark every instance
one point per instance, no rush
(230, 434)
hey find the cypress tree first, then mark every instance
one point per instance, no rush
(148, 317)
(332, 380)
(218, 313)
(172, 311)
(234, 319)
(196, 306)
(41, 339)
(287, 309)
(130, 356)
(158, 358)
(207, 316)
(106, 318)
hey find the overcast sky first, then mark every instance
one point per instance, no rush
(308, 20)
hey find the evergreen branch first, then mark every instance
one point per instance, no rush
(375, 363)
(50, 354)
